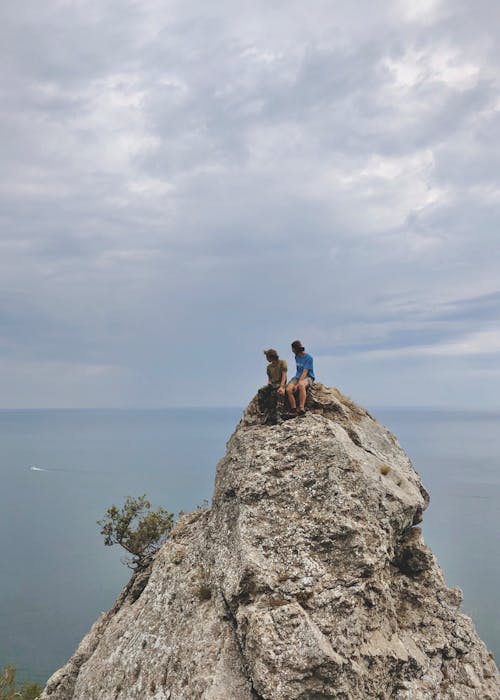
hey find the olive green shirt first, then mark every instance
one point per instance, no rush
(274, 372)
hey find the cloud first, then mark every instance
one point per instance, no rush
(480, 343)
(182, 178)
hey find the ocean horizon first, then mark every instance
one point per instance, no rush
(62, 468)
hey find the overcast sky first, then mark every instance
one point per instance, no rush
(186, 183)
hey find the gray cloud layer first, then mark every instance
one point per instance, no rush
(183, 185)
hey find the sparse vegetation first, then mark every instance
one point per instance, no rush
(202, 583)
(384, 469)
(177, 557)
(204, 592)
(11, 690)
(140, 531)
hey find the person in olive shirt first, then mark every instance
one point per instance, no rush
(271, 397)
(276, 371)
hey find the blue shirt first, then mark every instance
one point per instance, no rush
(304, 362)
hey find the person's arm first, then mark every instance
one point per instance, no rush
(281, 388)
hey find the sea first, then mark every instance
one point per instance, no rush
(61, 469)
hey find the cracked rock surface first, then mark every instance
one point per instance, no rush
(308, 579)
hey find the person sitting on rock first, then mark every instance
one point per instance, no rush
(271, 396)
(304, 377)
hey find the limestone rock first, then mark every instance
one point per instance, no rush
(307, 579)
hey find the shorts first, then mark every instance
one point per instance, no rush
(309, 381)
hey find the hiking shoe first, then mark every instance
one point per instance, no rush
(291, 414)
(301, 412)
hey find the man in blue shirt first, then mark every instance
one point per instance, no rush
(304, 377)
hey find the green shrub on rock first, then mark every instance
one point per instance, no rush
(137, 529)
(9, 690)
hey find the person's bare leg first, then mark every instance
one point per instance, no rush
(302, 395)
(291, 398)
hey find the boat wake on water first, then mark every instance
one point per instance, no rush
(65, 471)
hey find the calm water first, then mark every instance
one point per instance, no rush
(56, 575)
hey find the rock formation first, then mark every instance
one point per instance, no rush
(307, 579)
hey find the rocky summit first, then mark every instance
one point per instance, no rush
(308, 579)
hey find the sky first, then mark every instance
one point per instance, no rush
(184, 184)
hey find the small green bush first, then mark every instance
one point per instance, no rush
(10, 690)
(140, 531)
